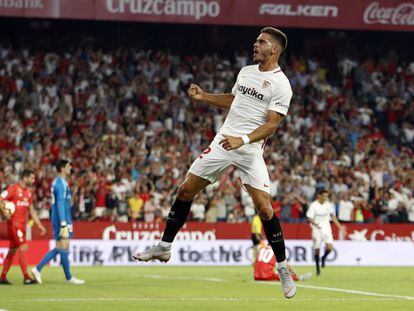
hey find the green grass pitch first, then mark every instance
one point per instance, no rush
(210, 288)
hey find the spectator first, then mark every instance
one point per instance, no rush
(135, 204)
(198, 209)
(345, 208)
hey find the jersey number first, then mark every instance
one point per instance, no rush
(205, 152)
(265, 255)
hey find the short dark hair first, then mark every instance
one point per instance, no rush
(27, 173)
(61, 164)
(323, 190)
(276, 34)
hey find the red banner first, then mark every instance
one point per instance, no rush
(331, 14)
(37, 249)
(220, 231)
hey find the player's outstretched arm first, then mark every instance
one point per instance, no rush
(223, 101)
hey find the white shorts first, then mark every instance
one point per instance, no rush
(213, 161)
(319, 235)
(100, 211)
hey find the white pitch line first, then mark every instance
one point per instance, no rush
(349, 291)
(224, 299)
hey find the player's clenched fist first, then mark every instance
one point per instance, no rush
(195, 92)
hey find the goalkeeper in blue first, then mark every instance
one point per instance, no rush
(62, 224)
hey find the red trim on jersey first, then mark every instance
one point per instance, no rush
(264, 143)
(277, 71)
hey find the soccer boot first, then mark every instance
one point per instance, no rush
(305, 276)
(36, 275)
(154, 252)
(76, 281)
(29, 282)
(288, 286)
(5, 282)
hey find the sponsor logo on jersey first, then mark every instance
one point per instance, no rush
(250, 91)
(22, 203)
(282, 105)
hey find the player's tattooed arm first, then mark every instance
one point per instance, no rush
(223, 101)
(268, 129)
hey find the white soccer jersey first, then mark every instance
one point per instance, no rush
(256, 93)
(321, 214)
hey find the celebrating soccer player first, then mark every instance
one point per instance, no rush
(62, 223)
(20, 195)
(257, 105)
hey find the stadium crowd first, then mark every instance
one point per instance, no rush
(123, 118)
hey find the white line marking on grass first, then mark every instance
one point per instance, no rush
(349, 291)
(189, 299)
(155, 276)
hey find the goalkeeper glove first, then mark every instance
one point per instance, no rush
(64, 230)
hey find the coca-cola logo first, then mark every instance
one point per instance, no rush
(400, 15)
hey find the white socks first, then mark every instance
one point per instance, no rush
(282, 264)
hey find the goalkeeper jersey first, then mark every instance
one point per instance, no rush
(61, 196)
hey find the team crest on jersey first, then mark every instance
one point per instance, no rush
(266, 84)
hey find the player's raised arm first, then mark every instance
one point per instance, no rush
(223, 100)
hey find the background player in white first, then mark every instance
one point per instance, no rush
(258, 102)
(319, 214)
